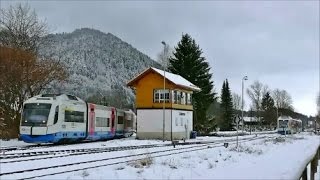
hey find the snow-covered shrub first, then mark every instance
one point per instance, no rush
(186, 157)
(172, 163)
(297, 138)
(276, 140)
(203, 156)
(246, 149)
(120, 168)
(210, 165)
(279, 140)
(144, 162)
(84, 174)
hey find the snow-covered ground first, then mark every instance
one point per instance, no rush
(274, 157)
(131, 141)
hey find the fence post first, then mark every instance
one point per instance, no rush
(304, 174)
(312, 168)
(314, 164)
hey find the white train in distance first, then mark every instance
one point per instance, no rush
(62, 118)
(287, 125)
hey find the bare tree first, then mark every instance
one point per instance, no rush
(164, 55)
(23, 73)
(20, 28)
(236, 98)
(282, 99)
(22, 77)
(256, 91)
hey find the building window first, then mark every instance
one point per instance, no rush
(177, 123)
(175, 97)
(183, 98)
(189, 99)
(160, 95)
(178, 97)
(181, 121)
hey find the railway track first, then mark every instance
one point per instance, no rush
(82, 165)
(30, 147)
(74, 152)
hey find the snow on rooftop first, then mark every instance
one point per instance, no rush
(177, 79)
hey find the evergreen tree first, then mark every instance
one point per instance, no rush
(226, 108)
(269, 112)
(188, 62)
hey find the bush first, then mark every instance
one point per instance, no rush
(144, 162)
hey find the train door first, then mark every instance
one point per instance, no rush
(91, 119)
(113, 115)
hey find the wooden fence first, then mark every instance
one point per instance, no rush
(313, 163)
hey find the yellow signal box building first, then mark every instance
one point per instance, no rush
(164, 105)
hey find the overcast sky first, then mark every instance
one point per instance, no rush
(274, 42)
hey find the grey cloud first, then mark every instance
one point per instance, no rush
(274, 42)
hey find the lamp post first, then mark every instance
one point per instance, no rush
(164, 90)
(243, 79)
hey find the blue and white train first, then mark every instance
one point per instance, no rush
(62, 118)
(287, 125)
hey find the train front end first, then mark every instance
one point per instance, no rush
(37, 116)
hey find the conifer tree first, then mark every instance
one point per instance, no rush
(188, 62)
(226, 108)
(269, 113)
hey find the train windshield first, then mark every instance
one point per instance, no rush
(283, 123)
(35, 114)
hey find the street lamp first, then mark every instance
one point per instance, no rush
(164, 88)
(243, 79)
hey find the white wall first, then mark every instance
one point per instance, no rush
(184, 117)
(151, 120)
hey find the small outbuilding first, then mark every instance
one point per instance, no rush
(164, 105)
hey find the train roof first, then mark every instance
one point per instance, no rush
(288, 118)
(50, 97)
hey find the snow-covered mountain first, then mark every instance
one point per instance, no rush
(99, 64)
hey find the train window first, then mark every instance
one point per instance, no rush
(70, 97)
(74, 116)
(120, 119)
(129, 123)
(50, 95)
(35, 114)
(102, 122)
(56, 114)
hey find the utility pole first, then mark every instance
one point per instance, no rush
(237, 121)
(243, 79)
(164, 91)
